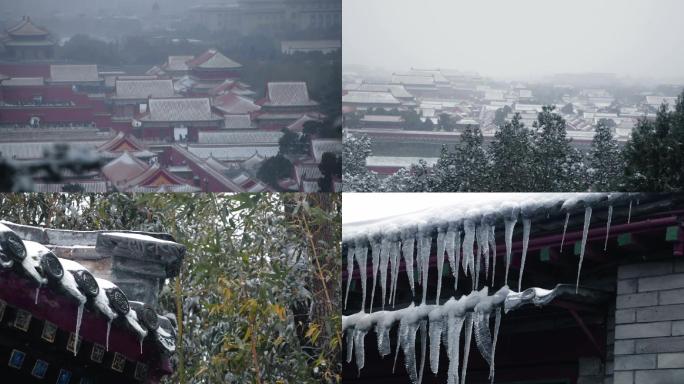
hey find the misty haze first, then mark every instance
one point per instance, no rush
(513, 95)
(170, 95)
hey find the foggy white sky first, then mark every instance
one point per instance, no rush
(518, 38)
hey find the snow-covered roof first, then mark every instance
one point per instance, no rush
(179, 109)
(71, 73)
(232, 153)
(249, 137)
(396, 161)
(288, 94)
(37, 150)
(178, 63)
(321, 146)
(213, 59)
(231, 103)
(143, 89)
(23, 81)
(237, 122)
(443, 213)
(363, 97)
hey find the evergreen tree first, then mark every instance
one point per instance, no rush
(654, 155)
(445, 123)
(605, 160)
(467, 169)
(512, 153)
(356, 177)
(417, 178)
(557, 165)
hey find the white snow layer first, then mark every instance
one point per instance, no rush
(444, 214)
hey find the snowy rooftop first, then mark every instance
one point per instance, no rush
(74, 73)
(179, 109)
(286, 94)
(363, 97)
(457, 207)
(249, 137)
(143, 89)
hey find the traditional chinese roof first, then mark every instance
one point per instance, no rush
(23, 82)
(396, 90)
(154, 176)
(213, 59)
(232, 104)
(363, 97)
(71, 73)
(124, 168)
(235, 153)
(122, 142)
(179, 109)
(177, 63)
(27, 28)
(237, 122)
(82, 319)
(250, 137)
(88, 187)
(320, 146)
(143, 89)
(288, 94)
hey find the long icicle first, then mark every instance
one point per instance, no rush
(395, 249)
(585, 232)
(509, 226)
(440, 262)
(384, 261)
(492, 247)
(454, 327)
(468, 245)
(497, 324)
(407, 247)
(423, 348)
(527, 223)
(426, 244)
(466, 346)
(610, 217)
(350, 272)
(361, 256)
(629, 214)
(436, 328)
(565, 228)
(375, 256)
(453, 249)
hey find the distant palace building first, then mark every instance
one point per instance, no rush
(26, 41)
(250, 16)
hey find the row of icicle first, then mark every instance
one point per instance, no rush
(456, 241)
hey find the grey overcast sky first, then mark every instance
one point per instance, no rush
(518, 38)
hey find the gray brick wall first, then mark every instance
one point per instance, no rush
(649, 324)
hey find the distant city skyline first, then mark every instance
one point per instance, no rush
(520, 40)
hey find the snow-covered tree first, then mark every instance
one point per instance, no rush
(512, 157)
(356, 177)
(654, 155)
(605, 160)
(557, 165)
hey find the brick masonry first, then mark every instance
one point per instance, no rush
(649, 324)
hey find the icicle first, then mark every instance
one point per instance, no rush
(440, 262)
(629, 214)
(395, 248)
(79, 317)
(423, 348)
(610, 217)
(350, 343)
(497, 324)
(485, 249)
(509, 226)
(350, 272)
(453, 249)
(436, 327)
(466, 346)
(408, 345)
(481, 241)
(407, 251)
(468, 245)
(483, 337)
(565, 228)
(359, 349)
(375, 255)
(384, 261)
(403, 328)
(454, 326)
(424, 245)
(527, 223)
(585, 232)
(361, 255)
(492, 247)
(384, 346)
(141, 343)
(35, 301)
(109, 328)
